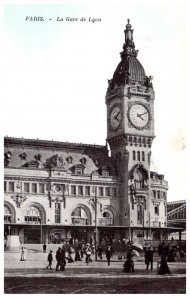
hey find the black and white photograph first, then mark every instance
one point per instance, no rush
(94, 131)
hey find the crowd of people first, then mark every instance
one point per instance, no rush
(70, 253)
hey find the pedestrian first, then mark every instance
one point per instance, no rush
(44, 248)
(58, 258)
(63, 259)
(88, 253)
(99, 252)
(145, 248)
(163, 252)
(149, 257)
(77, 254)
(128, 265)
(71, 254)
(50, 259)
(23, 254)
(108, 253)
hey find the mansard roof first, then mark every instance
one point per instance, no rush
(31, 153)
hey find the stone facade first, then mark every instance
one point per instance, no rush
(56, 190)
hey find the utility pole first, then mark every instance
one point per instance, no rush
(95, 236)
(129, 221)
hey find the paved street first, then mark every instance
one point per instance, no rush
(31, 276)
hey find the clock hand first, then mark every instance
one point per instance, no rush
(116, 117)
(140, 116)
(144, 113)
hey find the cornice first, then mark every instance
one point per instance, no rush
(32, 143)
(131, 140)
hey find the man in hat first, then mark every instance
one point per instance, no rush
(50, 259)
(149, 257)
(58, 258)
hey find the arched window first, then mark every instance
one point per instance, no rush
(33, 215)
(107, 218)
(79, 216)
(139, 179)
(143, 156)
(138, 155)
(134, 155)
(7, 215)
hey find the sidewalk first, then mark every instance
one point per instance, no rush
(35, 266)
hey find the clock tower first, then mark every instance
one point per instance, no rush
(130, 132)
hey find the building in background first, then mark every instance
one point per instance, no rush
(176, 217)
(56, 191)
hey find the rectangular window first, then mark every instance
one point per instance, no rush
(73, 189)
(34, 188)
(80, 190)
(139, 214)
(26, 187)
(107, 191)
(57, 212)
(156, 210)
(87, 190)
(11, 186)
(5, 186)
(41, 188)
(114, 192)
(101, 191)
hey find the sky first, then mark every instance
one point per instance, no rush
(55, 73)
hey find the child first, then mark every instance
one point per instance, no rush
(50, 258)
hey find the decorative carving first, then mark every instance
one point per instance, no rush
(55, 161)
(23, 156)
(83, 160)
(61, 199)
(38, 157)
(7, 158)
(19, 199)
(69, 159)
(148, 82)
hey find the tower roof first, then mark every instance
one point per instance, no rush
(129, 70)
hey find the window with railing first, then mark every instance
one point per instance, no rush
(33, 216)
(79, 216)
(57, 212)
(106, 219)
(7, 215)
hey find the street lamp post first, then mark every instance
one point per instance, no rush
(143, 218)
(41, 238)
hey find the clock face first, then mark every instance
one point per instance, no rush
(115, 117)
(139, 115)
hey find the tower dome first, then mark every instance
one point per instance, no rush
(129, 70)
